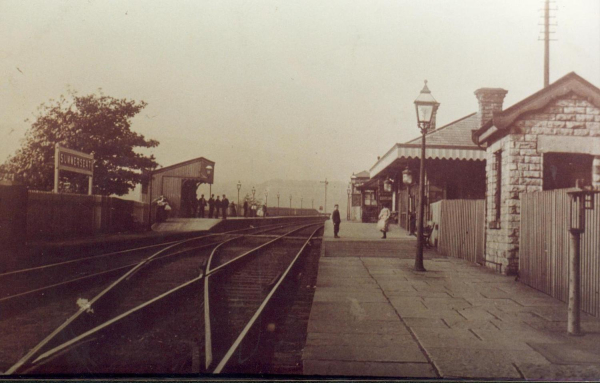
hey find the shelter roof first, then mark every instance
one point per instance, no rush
(456, 133)
(449, 142)
(363, 174)
(570, 83)
(183, 164)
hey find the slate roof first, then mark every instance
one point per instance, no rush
(363, 174)
(502, 120)
(457, 133)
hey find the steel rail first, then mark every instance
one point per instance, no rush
(50, 265)
(261, 308)
(64, 283)
(41, 267)
(209, 272)
(138, 265)
(50, 353)
(94, 330)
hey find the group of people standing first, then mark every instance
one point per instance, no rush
(215, 206)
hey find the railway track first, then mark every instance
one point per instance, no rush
(126, 313)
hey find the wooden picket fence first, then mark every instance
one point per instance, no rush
(461, 232)
(544, 247)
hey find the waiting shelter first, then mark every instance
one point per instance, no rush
(178, 183)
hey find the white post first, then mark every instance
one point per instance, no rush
(91, 178)
(56, 151)
(574, 308)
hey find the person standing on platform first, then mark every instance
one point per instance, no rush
(224, 206)
(211, 206)
(265, 210)
(383, 223)
(233, 209)
(335, 218)
(217, 206)
(201, 206)
(246, 209)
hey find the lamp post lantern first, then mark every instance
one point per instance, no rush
(239, 186)
(426, 107)
(209, 170)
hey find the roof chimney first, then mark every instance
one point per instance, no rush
(490, 101)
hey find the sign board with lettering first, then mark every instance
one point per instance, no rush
(72, 161)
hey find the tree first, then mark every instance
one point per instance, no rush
(94, 123)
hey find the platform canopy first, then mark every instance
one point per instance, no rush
(450, 142)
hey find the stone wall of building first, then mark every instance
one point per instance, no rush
(522, 170)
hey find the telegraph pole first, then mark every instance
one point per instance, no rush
(326, 183)
(547, 40)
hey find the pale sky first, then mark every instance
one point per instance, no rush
(296, 90)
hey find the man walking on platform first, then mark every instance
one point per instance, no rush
(224, 206)
(217, 206)
(211, 206)
(335, 218)
(246, 209)
(201, 206)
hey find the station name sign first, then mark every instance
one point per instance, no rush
(75, 161)
(72, 161)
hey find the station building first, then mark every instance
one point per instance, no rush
(547, 141)
(178, 183)
(455, 169)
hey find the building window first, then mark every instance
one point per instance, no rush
(562, 170)
(370, 199)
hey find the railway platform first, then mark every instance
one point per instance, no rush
(374, 316)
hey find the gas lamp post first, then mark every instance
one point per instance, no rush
(426, 107)
(239, 186)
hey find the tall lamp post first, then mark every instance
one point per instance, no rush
(349, 201)
(277, 203)
(301, 199)
(239, 186)
(426, 107)
(266, 198)
(290, 201)
(253, 193)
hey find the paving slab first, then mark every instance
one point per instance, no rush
(555, 372)
(371, 339)
(481, 364)
(357, 327)
(344, 296)
(560, 353)
(407, 352)
(353, 310)
(368, 369)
